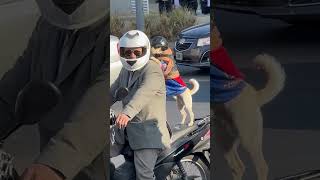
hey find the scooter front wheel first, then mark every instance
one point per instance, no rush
(191, 167)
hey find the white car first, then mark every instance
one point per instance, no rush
(115, 63)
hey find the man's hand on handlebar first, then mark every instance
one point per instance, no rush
(40, 172)
(122, 120)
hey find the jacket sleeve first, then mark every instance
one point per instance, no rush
(82, 139)
(13, 81)
(151, 85)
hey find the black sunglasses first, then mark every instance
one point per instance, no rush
(128, 53)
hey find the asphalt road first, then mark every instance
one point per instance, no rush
(291, 120)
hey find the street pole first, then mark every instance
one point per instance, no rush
(139, 15)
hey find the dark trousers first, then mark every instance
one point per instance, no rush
(95, 171)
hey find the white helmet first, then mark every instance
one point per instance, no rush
(134, 39)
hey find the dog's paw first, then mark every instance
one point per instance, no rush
(190, 123)
(178, 127)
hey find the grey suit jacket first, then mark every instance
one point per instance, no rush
(145, 105)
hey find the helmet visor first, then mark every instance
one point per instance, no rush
(132, 53)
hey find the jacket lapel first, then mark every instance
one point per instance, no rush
(124, 78)
(49, 68)
(135, 76)
(48, 56)
(82, 47)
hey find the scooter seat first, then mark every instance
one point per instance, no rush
(176, 135)
(176, 141)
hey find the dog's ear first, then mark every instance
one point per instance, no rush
(153, 50)
(156, 51)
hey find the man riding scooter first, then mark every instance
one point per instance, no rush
(142, 121)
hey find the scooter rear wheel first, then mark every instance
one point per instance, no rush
(190, 164)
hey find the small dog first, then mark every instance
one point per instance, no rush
(240, 120)
(184, 99)
(184, 102)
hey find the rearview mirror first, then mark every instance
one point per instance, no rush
(35, 100)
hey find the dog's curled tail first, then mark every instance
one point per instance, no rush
(276, 78)
(195, 86)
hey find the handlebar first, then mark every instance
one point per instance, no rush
(113, 117)
(202, 121)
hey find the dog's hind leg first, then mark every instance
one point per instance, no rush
(234, 161)
(181, 108)
(259, 162)
(253, 145)
(187, 101)
(191, 115)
